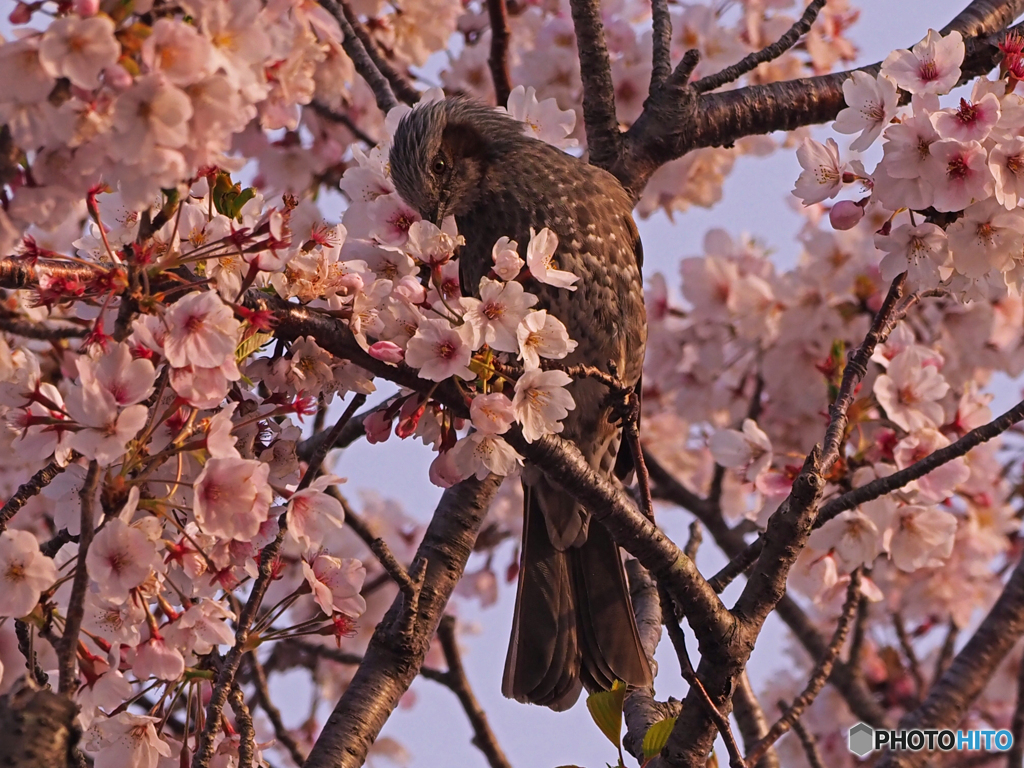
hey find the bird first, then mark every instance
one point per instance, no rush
(573, 625)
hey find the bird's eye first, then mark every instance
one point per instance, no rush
(439, 166)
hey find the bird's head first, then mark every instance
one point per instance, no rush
(442, 151)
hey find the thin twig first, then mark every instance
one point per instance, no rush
(361, 58)
(39, 331)
(807, 741)
(24, 634)
(913, 663)
(401, 87)
(316, 458)
(769, 53)
(340, 117)
(367, 532)
(947, 650)
(498, 58)
(67, 650)
(693, 543)
(818, 677)
(483, 737)
(281, 733)
(27, 490)
(678, 638)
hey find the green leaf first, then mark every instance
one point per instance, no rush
(251, 345)
(657, 737)
(606, 710)
(244, 197)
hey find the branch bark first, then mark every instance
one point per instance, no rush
(604, 139)
(971, 670)
(391, 662)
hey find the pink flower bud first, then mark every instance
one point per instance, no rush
(845, 214)
(378, 428)
(22, 14)
(386, 351)
(117, 77)
(86, 7)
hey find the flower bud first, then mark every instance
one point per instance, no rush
(86, 7)
(845, 214)
(386, 351)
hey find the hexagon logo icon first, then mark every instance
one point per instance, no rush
(862, 739)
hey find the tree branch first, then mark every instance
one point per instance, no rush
(753, 724)
(400, 86)
(26, 491)
(483, 737)
(807, 741)
(498, 58)
(362, 59)
(604, 140)
(392, 662)
(282, 734)
(661, 44)
(67, 649)
(950, 696)
(769, 53)
(373, 541)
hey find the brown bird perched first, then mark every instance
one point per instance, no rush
(573, 622)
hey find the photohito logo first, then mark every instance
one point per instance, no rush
(864, 739)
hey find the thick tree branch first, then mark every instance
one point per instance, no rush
(39, 331)
(971, 670)
(661, 44)
(392, 662)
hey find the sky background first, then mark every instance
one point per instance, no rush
(757, 201)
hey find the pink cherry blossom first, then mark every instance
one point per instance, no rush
(440, 351)
(871, 104)
(542, 335)
(543, 120)
(910, 391)
(178, 51)
(941, 482)
(923, 537)
(155, 658)
(1006, 161)
(313, 513)
(152, 113)
(128, 381)
(492, 414)
(540, 258)
(205, 387)
(851, 536)
(127, 740)
(496, 315)
(203, 331)
(201, 628)
(972, 121)
(106, 430)
(480, 454)
(959, 173)
(985, 238)
(507, 263)
(932, 66)
(79, 49)
(24, 573)
(541, 402)
(749, 450)
(917, 250)
(431, 245)
(822, 175)
(336, 584)
(120, 558)
(845, 214)
(232, 497)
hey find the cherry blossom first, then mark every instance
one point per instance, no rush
(313, 513)
(492, 414)
(542, 335)
(542, 119)
(931, 66)
(971, 121)
(851, 536)
(822, 175)
(507, 264)
(871, 104)
(202, 331)
(120, 559)
(24, 572)
(910, 391)
(232, 497)
(1006, 161)
(959, 174)
(541, 402)
(985, 238)
(336, 584)
(919, 251)
(440, 351)
(938, 484)
(106, 430)
(749, 450)
(480, 454)
(79, 49)
(923, 537)
(496, 315)
(540, 255)
(127, 740)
